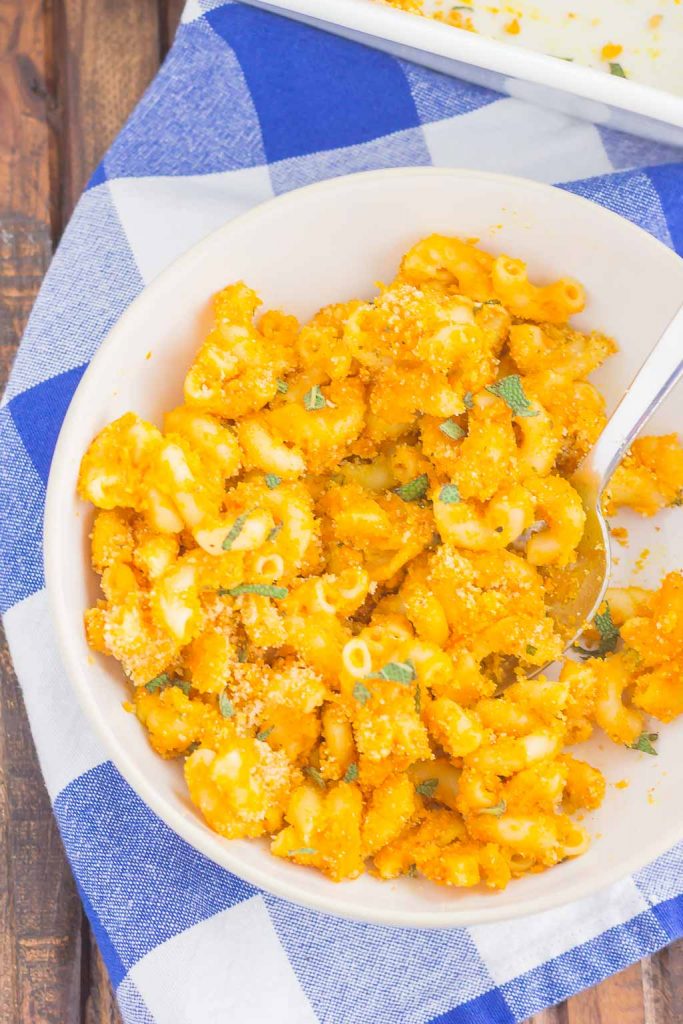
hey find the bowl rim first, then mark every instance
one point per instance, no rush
(198, 834)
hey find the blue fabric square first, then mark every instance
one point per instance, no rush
(22, 500)
(631, 194)
(489, 1008)
(670, 917)
(313, 90)
(438, 96)
(668, 183)
(398, 973)
(98, 177)
(198, 119)
(143, 883)
(93, 278)
(38, 415)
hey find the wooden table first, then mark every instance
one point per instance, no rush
(70, 72)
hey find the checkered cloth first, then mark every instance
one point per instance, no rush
(249, 105)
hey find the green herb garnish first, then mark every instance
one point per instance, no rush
(449, 494)
(644, 743)
(158, 683)
(225, 706)
(163, 681)
(609, 635)
(361, 693)
(242, 655)
(616, 69)
(315, 776)
(414, 489)
(314, 399)
(282, 386)
(351, 773)
(530, 649)
(496, 810)
(263, 736)
(511, 391)
(302, 851)
(235, 531)
(262, 589)
(274, 532)
(427, 788)
(468, 400)
(396, 672)
(273, 480)
(452, 429)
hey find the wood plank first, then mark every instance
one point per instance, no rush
(39, 910)
(109, 52)
(100, 1004)
(618, 1000)
(553, 1015)
(169, 17)
(663, 986)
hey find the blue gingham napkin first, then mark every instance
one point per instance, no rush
(249, 105)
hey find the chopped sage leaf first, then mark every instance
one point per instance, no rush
(273, 480)
(511, 391)
(468, 399)
(616, 69)
(449, 494)
(609, 635)
(314, 399)
(361, 693)
(427, 788)
(163, 681)
(263, 736)
(302, 851)
(225, 706)
(235, 531)
(530, 649)
(644, 743)
(314, 775)
(275, 531)
(396, 672)
(414, 489)
(282, 386)
(351, 773)
(451, 429)
(262, 589)
(158, 683)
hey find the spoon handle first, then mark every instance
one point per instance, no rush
(656, 377)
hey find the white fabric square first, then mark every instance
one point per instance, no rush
(228, 969)
(164, 216)
(511, 137)
(514, 947)
(66, 744)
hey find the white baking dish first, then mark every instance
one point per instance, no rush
(586, 92)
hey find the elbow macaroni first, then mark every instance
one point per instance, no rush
(317, 575)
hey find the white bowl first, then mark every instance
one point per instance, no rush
(326, 243)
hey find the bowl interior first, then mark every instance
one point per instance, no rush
(328, 243)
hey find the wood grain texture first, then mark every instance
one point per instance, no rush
(109, 52)
(70, 73)
(40, 916)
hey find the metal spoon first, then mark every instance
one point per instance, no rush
(591, 572)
